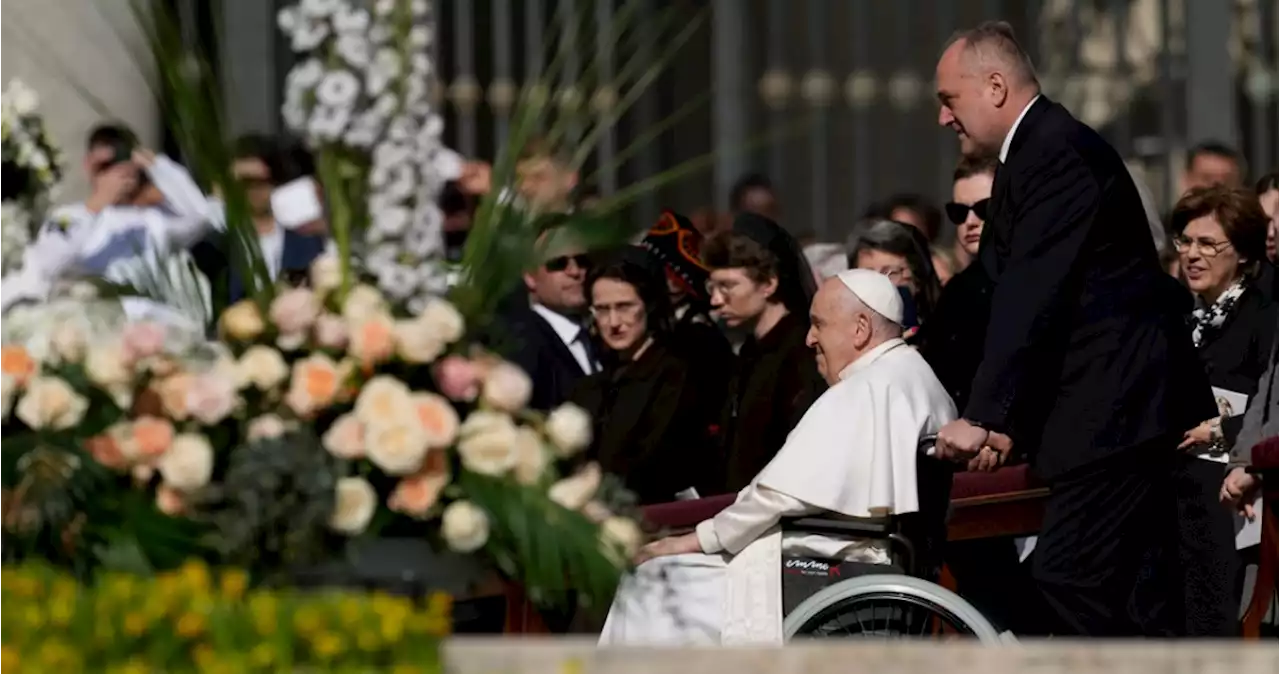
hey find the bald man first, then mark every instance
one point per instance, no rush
(854, 454)
(1087, 363)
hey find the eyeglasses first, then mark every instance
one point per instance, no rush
(1208, 247)
(895, 274)
(957, 213)
(562, 263)
(624, 310)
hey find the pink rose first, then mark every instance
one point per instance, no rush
(140, 341)
(212, 398)
(458, 378)
(331, 332)
(170, 501)
(294, 311)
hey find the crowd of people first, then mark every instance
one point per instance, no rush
(1054, 315)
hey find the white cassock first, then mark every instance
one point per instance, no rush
(853, 454)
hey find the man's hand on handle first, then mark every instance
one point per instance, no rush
(980, 449)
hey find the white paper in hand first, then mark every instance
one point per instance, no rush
(297, 203)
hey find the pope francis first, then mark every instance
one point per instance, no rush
(853, 454)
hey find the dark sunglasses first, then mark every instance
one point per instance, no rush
(958, 213)
(562, 263)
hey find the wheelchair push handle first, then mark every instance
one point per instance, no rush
(928, 445)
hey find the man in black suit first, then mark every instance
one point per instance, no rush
(1087, 366)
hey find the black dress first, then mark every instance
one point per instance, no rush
(1235, 355)
(653, 420)
(775, 381)
(952, 341)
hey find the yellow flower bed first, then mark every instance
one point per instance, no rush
(194, 620)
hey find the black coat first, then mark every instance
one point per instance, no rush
(1236, 354)
(213, 259)
(1087, 352)
(952, 341)
(775, 382)
(653, 421)
(528, 340)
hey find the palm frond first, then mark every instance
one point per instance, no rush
(170, 279)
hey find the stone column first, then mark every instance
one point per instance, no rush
(729, 119)
(64, 48)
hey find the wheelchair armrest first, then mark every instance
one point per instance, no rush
(859, 528)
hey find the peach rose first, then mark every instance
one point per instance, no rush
(397, 449)
(50, 404)
(362, 303)
(188, 465)
(242, 321)
(488, 443)
(506, 387)
(212, 398)
(417, 494)
(331, 332)
(354, 507)
(16, 362)
(170, 501)
(372, 339)
(314, 385)
(173, 392)
(140, 341)
(415, 344)
(385, 401)
(294, 311)
(106, 368)
(458, 378)
(345, 438)
(577, 490)
(437, 417)
(105, 450)
(152, 437)
(142, 473)
(442, 320)
(68, 342)
(261, 367)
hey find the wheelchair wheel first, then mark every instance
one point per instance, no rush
(888, 607)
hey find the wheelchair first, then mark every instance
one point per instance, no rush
(825, 598)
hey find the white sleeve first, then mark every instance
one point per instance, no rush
(756, 509)
(190, 215)
(47, 259)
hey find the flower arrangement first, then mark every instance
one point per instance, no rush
(359, 95)
(192, 619)
(31, 169)
(325, 417)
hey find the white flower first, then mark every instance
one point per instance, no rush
(307, 74)
(338, 89)
(355, 503)
(396, 448)
(329, 123)
(289, 18)
(569, 429)
(20, 99)
(354, 49)
(266, 427)
(320, 9)
(68, 342)
(398, 281)
(420, 36)
(385, 106)
(465, 527)
(49, 403)
(351, 20)
(421, 241)
(362, 134)
(261, 367)
(443, 319)
(384, 401)
(391, 222)
(576, 491)
(402, 130)
(188, 463)
(386, 67)
(506, 387)
(417, 343)
(308, 36)
(384, 7)
(418, 7)
(326, 273)
(621, 537)
(487, 443)
(531, 457)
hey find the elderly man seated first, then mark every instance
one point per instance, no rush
(853, 455)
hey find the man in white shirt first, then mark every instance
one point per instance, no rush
(852, 455)
(142, 206)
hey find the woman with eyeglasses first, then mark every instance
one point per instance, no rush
(900, 252)
(1220, 235)
(653, 403)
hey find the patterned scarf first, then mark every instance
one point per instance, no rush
(1207, 319)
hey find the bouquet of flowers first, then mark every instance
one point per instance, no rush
(31, 170)
(324, 417)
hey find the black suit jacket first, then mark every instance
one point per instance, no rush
(298, 252)
(953, 340)
(1087, 352)
(528, 340)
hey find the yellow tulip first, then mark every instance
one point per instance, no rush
(135, 624)
(191, 625)
(234, 582)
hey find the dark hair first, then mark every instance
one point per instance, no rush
(290, 161)
(255, 146)
(929, 214)
(541, 147)
(1237, 211)
(899, 238)
(745, 184)
(974, 166)
(112, 134)
(637, 268)
(1212, 148)
(1266, 184)
(731, 250)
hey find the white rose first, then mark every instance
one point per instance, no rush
(242, 321)
(465, 527)
(621, 538)
(569, 429)
(267, 427)
(385, 401)
(354, 506)
(398, 449)
(363, 303)
(326, 273)
(531, 456)
(104, 365)
(261, 367)
(415, 344)
(68, 342)
(8, 389)
(506, 387)
(488, 443)
(345, 438)
(50, 403)
(576, 491)
(443, 320)
(188, 464)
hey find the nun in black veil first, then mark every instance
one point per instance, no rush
(761, 283)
